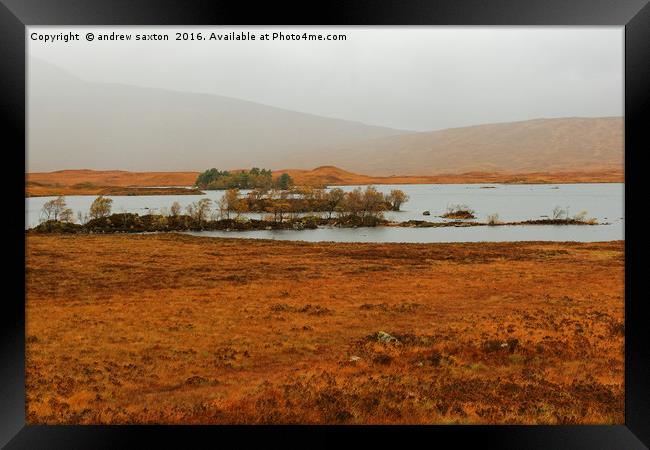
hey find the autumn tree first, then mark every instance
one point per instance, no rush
(373, 202)
(281, 207)
(56, 209)
(67, 215)
(333, 200)
(230, 202)
(199, 211)
(101, 207)
(318, 200)
(396, 198)
(255, 199)
(175, 209)
(278, 205)
(353, 202)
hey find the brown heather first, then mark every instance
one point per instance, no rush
(119, 182)
(179, 329)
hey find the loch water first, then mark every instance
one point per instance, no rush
(602, 201)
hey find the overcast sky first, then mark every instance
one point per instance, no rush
(417, 78)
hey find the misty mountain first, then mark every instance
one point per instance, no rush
(79, 124)
(541, 145)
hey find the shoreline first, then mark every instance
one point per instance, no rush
(134, 223)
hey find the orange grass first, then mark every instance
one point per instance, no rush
(179, 329)
(96, 182)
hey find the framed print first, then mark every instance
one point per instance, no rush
(381, 221)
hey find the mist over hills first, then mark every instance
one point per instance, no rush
(540, 145)
(79, 124)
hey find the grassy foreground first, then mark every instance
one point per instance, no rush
(180, 329)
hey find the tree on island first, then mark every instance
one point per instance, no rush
(56, 209)
(243, 179)
(254, 178)
(285, 181)
(200, 210)
(396, 198)
(333, 200)
(230, 202)
(209, 176)
(373, 202)
(279, 206)
(175, 209)
(101, 207)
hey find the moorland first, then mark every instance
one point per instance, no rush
(98, 182)
(171, 328)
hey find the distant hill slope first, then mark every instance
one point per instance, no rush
(331, 175)
(113, 178)
(92, 182)
(542, 145)
(73, 123)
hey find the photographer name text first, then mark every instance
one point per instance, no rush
(243, 36)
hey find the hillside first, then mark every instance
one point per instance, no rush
(74, 123)
(113, 178)
(331, 175)
(542, 145)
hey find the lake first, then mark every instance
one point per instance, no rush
(603, 201)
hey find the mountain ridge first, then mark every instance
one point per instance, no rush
(536, 145)
(78, 123)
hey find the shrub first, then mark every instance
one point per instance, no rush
(581, 216)
(459, 212)
(175, 209)
(560, 213)
(55, 226)
(199, 211)
(493, 219)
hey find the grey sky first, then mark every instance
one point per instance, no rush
(421, 78)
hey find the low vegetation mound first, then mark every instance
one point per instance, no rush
(459, 212)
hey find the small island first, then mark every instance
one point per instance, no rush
(292, 208)
(459, 212)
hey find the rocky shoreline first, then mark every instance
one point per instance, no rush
(134, 223)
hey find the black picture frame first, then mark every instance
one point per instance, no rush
(15, 15)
